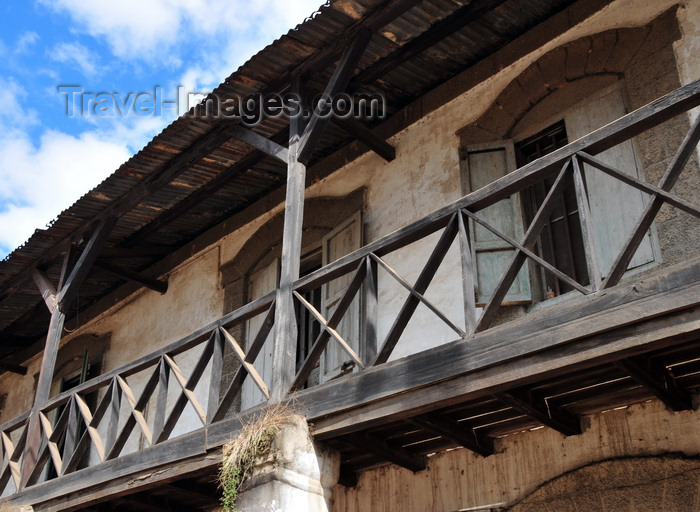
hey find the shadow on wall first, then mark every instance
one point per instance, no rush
(670, 483)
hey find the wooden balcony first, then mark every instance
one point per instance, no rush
(617, 339)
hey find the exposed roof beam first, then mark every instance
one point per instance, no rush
(462, 17)
(383, 449)
(658, 380)
(14, 368)
(364, 134)
(456, 432)
(529, 404)
(158, 285)
(260, 142)
(69, 289)
(338, 82)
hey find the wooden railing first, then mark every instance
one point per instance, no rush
(143, 404)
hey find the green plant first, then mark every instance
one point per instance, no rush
(241, 454)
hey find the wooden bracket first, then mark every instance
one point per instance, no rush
(456, 432)
(657, 379)
(387, 451)
(529, 404)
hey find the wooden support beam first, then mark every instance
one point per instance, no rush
(14, 368)
(658, 380)
(46, 289)
(387, 451)
(456, 432)
(261, 143)
(364, 134)
(526, 403)
(69, 289)
(338, 82)
(587, 229)
(468, 272)
(284, 354)
(43, 386)
(158, 285)
(370, 304)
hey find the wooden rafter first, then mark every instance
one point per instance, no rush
(338, 82)
(158, 285)
(260, 142)
(364, 134)
(530, 404)
(388, 451)
(657, 379)
(456, 432)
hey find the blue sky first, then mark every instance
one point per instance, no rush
(48, 159)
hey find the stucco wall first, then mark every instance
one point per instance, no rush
(460, 480)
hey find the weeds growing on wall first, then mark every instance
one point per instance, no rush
(253, 442)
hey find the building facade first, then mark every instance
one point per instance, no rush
(486, 299)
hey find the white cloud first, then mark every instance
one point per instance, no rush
(77, 55)
(26, 41)
(140, 30)
(13, 114)
(38, 182)
(40, 179)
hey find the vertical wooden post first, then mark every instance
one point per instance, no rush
(31, 449)
(284, 355)
(72, 277)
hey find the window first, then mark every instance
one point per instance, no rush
(344, 239)
(561, 240)
(339, 241)
(614, 205)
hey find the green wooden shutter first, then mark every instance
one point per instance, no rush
(344, 239)
(615, 206)
(481, 165)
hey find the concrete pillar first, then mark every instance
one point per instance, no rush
(297, 474)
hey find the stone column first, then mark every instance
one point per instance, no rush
(296, 475)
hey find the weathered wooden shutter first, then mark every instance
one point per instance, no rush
(482, 164)
(614, 205)
(344, 239)
(260, 283)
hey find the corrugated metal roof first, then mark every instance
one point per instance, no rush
(312, 48)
